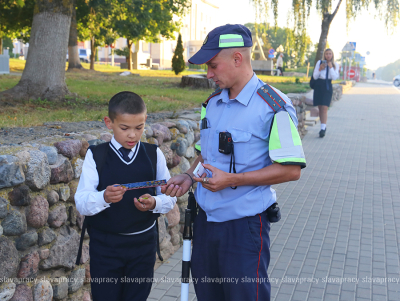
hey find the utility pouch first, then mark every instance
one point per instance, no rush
(273, 213)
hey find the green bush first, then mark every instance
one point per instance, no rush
(178, 64)
(298, 80)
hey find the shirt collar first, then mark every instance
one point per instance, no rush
(118, 145)
(246, 93)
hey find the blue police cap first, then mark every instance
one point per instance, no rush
(226, 36)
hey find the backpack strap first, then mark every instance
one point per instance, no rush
(272, 98)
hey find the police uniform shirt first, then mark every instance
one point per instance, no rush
(89, 201)
(248, 118)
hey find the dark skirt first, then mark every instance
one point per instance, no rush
(322, 96)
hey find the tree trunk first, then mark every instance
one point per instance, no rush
(198, 81)
(326, 23)
(93, 53)
(1, 45)
(129, 58)
(73, 52)
(44, 73)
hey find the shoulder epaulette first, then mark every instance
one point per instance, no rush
(272, 98)
(215, 93)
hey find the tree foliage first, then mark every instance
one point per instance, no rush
(178, 64)
(389, 71)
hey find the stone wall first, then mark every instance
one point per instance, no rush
(39, 224)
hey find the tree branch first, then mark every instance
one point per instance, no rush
(337, 8)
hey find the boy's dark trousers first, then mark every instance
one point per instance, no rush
(129, 258)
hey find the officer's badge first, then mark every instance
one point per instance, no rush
(205, 40)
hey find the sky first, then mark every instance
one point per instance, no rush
(367, 31)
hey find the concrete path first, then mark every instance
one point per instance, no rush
(340, 230)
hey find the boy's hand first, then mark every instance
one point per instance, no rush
(114, 194)
(145, 202)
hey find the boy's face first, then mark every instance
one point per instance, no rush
(127, 128)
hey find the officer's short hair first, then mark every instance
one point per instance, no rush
(125, 102)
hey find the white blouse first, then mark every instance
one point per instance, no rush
(332, 74)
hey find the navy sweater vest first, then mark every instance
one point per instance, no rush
(124, 217)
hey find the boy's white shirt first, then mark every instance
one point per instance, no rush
(89, 201)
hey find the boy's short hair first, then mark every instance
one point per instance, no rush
(125, 102)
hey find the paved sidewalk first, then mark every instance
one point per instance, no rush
(340, 230)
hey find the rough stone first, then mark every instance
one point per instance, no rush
(46, 236)
(84, 147)
(43, 291)
(180, 146)
(22, 293)
(106, 136)
(190, 152)
(76, 280)
(52, 197)
(159, 136)
(163, 129)
(152, 140)
(173, 216)
(196, 136)
(44, 254)
(174, 133)
(96, 142)
(168, 153)
(88, 137)
(61, 171)
(37, 170)
(69, 148)
(26, 240)
(168, 124)
(87, 274)
(14, 223)
(3, 207)
(64, 193)
(162, 229)
(29, 266)
(9, 258)
(38, 212)
(73, 186)
(1, 230)
(63, 252)
(193, 124)
(183, 126)
(7, 291)
(175, 161)
(57, 216)
(51, 153)
(85, 254)
(184, 165)
(148, 131)
(19, 196)
(11, 173)
(60, 288)
(79, 219)
(182, 199)
(77, 167)
(86, 296)
(166, 247)
(190, 137)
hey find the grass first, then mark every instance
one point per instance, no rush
(159, 89)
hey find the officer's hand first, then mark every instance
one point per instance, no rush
(145, 202)
(322, 67)
(219, 180)
(113, 193)
(177, 186)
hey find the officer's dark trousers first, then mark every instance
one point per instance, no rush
(235, 253)
(129, 258)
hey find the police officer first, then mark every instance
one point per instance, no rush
(231, 233)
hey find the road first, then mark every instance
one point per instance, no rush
(340, 230)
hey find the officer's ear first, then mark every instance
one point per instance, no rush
(238, 58)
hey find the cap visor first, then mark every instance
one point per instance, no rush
(203, 56)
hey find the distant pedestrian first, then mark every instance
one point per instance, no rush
(324, 72)
(279, 64)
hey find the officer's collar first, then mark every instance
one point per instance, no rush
(244, 95)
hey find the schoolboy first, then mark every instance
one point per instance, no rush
(122, 224)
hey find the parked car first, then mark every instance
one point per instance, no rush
(396, 80)
(84, 55)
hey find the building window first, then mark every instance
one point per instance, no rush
(146, 47)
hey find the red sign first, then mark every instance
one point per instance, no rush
(351, 73)
(112, 45)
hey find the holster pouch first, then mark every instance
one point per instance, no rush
(192, 205)
(273, 213)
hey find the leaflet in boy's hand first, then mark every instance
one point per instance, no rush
(199, 170)
(147, 184)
